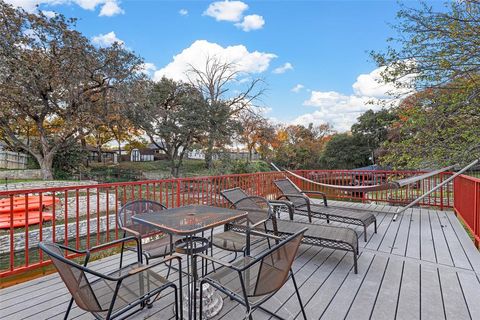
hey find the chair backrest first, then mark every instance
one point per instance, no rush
(74, 277)
(286, 186)
(132, 208)
(275, 265)
(258, 208)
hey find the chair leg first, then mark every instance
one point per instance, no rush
(365, 233)
(298, 296)
(355, 266)
(121, 253)
(169, 268)
(201, 300)
(177, 311)
(375, 225)
(68, 309)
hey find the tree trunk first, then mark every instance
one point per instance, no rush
(209, 154)
(119, 159)
(174, 170)
(46, 164)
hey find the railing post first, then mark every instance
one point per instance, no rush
(178, 193)
(476, 213)
(441, 195)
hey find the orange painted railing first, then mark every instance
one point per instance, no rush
(467, 204)
(85, 216)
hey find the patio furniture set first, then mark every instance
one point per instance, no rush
(184, 237)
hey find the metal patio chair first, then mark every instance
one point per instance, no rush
(160, 244)
(304, 206)
(338, 238)
(259, 212)
(117, 294)
(251, 281)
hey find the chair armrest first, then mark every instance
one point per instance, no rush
(323, 194)
(266, 235)
(305, 198)
(216, 260)
(135, 233)
(126, 239)
(149, 266)
(288, 195)
(252, 226)
(285, 203)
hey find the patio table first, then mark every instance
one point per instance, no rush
(188, 221)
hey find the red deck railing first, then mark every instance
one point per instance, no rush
(85, 216)
(467, 204)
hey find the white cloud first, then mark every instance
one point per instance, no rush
(109, 8)
(226, 10)
(342, 110)
(148, 68)
(200, 50)
(106, 40)
(297, 88)
(49, 14)
(183, 12)
(251, 22)
(282, 69)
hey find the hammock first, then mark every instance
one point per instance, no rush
(377, 187)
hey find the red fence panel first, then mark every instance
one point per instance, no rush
(86, 215)
(467, 203)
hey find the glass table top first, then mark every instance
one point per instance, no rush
(190, 219)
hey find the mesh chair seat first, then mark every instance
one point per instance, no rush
(159, 244)
(335, 214)
(229, 279)
(157, 248)
(232, 241)
(131, 289)
(328, 236)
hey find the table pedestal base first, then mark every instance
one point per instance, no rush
(212, 302)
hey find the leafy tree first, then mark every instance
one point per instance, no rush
(214, 81)
(345, 151)
(434, 129)
(437, 50)
(434, 48)
(172, 114)
(373, 127)
(255, 132)
(51, 77)
(68, 160)
(301, 147)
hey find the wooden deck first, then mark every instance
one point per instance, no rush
(423, 266)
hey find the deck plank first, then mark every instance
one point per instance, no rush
(408, 306)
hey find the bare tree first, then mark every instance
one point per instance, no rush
(215, 80)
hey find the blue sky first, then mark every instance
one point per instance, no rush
(322, 45)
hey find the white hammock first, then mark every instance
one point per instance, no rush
(377, 187)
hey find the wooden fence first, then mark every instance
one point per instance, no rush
(13, 160)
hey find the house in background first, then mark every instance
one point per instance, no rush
(105, 156)
(142, 155)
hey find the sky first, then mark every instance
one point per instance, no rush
(313, 55)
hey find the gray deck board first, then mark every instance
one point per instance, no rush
(422, 266)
